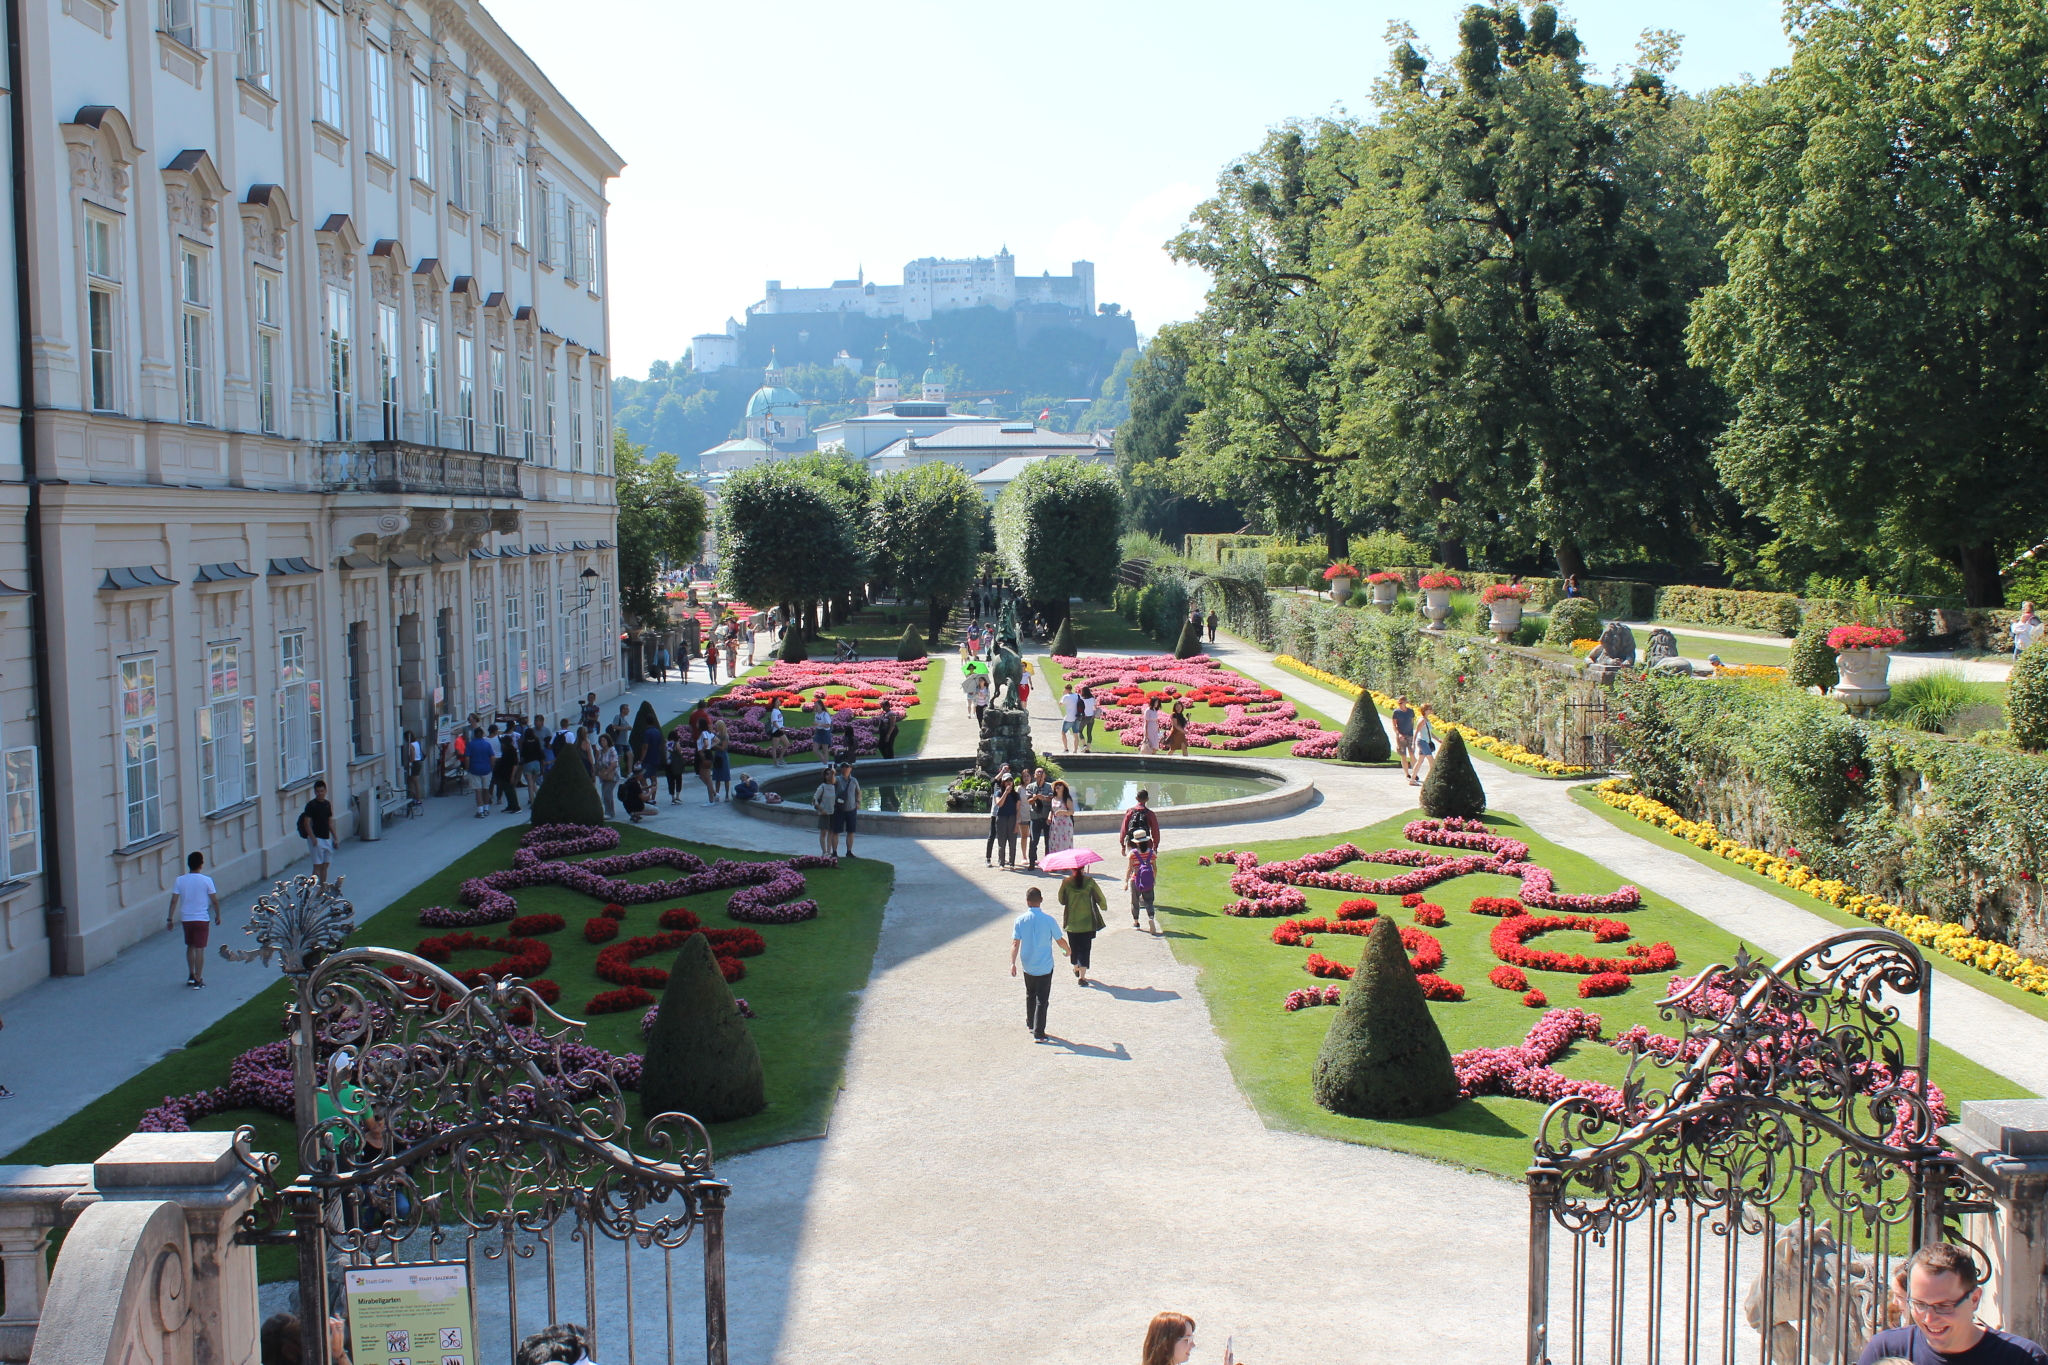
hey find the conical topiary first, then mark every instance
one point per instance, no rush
(911, 646)
(1190, 640)
(1063, 646)
(793, 651)
(645, 718)
(1452, 787)
(1812, 663)
(568, 794)
(1365, 736)
(1384, 1057)
(701, 1060)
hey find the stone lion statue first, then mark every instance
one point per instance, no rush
(1617, 645)
(1663, 645)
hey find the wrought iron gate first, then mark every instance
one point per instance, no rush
(1761, 1177)
(1586, 742)
(442, 1123)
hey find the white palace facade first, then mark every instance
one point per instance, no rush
(312, 332)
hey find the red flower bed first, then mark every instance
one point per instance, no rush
(618, 1001)
(1430, 916)
(681, 918)
(598, 929)
(1536, 1000)
(546, 990)
(1508, 978)
(523, 956)
(1358, 909)
(613, 912)
(1318, 965)
(615, 963)
(1411, 900)
(1603, 983)
(1428, 950)
(1509, 935)
(1497, 905)
(1435, 987)
(526, 926)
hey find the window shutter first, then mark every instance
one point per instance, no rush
(555, 232)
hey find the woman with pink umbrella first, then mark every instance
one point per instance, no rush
(1082, 904)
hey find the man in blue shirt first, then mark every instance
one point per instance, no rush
(1942, 1291)
(1031, 943)
(479, 757)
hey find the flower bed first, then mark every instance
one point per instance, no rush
(855, 709)
(1504, 592)
(1950, 940)
(1270, 889)
(1434, 582)
(1309, 996)
(1253, 715)
(1499, 748)
(764, 897)
(1865, 637)
(525, 957)
(526, 926)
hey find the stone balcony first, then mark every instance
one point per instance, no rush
(402, 467)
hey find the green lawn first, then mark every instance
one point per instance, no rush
(1100, 628)
(1055, 677)
(1995, 986)
(1245, 978)
(804, 990)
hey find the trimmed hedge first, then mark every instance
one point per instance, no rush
(1573, 619)
(1812, 663)
(1773, 611)
(2026, 697)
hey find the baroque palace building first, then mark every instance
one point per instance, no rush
(312, 325)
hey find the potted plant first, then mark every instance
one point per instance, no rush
(1341, 578)
(1506, 601)
(1436, 596)
(1386, 586)
(1863, 656)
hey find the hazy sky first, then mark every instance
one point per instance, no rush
(801, 140)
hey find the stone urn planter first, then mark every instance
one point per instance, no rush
(1864, 685)
(1384, 595)
(1436, 605)
(1340, 589)
(1506, 618)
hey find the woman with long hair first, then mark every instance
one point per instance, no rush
(1150, 745)
(1177, 731)
(1170, 1340)
(1059, 825)
(1425, 741)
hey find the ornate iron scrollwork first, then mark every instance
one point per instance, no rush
(297, 920)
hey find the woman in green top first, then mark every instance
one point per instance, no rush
(1083, 901)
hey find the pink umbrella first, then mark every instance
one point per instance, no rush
(1068, 859)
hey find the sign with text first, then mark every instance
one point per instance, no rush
(411, 1314)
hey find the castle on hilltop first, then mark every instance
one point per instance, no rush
(932, 286)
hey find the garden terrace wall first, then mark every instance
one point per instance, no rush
(1953, 830)
(1773, 611)
(1512, 694)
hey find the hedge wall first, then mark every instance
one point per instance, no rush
(1773, 611)
(1954, 830)
(1510, 693)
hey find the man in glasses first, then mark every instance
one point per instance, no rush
(1942, 1291)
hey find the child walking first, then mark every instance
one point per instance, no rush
(1141, 874)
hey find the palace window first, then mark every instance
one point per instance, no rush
(269, 347)
(102, 299)
(547, 390)
(192, 334)
(175, 17)
(301, 743)
(430, 378)
(341, 383)
(21, 835)
(227, 733)
(327, 66)
(141, 799)
(498, 434)
(378, 62)
(387, 368)
(542, 646)
(575, 418)
(256, 43)
(465, 390)
(518, 667)
(480, 630)
(526, 436)
(422, 133)
(359, 687)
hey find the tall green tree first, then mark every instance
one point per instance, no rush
(1520, 322)
(1162, 402)
(783, 538)
(1267, 353)
(848, 482)
(927, 531)
(1056, 531)
(1882, 325)
(662, 518)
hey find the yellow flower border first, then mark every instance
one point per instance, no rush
(1950, 940)
(1499, 748)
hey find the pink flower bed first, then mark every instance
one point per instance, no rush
(1272, 889)
(1253, 715)
(764, 897)
(855, 708)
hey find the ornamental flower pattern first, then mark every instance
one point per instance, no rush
(1253, 715)
(855, 709)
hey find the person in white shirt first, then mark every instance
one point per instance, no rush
(1070, 719)
(195, 903)
(2026, 628)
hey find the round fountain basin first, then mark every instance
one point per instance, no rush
(909, 797)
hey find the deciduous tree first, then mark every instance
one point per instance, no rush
(927, 535)
(662, 517)
(1056, 531)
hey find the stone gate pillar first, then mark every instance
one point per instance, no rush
(2004, 1143)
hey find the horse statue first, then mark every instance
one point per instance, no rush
(1006, 673)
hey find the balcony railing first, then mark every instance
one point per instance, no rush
(402, 467)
